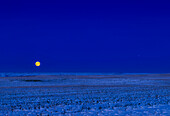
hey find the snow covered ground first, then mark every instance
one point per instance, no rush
(100, 94)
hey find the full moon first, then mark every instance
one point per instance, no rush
(37, 63)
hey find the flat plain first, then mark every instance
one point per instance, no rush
(89, 95)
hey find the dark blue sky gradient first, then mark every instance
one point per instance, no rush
(85, 37)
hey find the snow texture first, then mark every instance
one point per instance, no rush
(84, 95)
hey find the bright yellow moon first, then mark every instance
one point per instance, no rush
(37, 63)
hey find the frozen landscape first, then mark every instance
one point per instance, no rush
(84, 94)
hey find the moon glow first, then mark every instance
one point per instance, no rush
(37, 63)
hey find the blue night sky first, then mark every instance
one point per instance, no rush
(85, 37)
